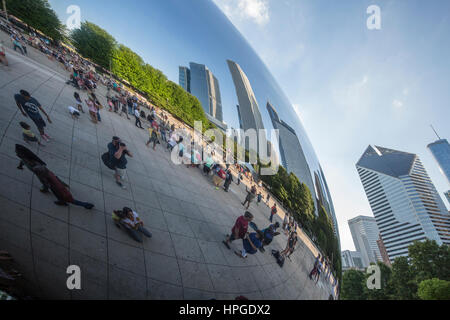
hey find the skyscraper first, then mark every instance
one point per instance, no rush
(403, 199)
(383, 251)
(441, 152)
(185, 78)
(248, 105)
(351, 260)
(201, 83)
(292, 157)
(365, 235)
(447, 195)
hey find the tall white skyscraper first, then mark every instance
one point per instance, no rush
(365, 235)
(403, 199)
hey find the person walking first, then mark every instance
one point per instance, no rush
(273, 212)
(228, 180)
(250, 196)
(30, 107)
(138, 121)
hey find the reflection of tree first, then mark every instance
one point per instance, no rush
(296, 197)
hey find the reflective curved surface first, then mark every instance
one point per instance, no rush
(196, 45)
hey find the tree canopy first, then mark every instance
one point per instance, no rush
(38, 14)
(94, 43)
(422, 275)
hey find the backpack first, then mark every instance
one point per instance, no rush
(107, 161)
(278, 257)
(268, 237)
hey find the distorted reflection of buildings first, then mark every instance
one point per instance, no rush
(201, 83)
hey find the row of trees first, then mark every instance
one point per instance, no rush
(424, 274)
(96, 44)
(39, 15)
(297, 198)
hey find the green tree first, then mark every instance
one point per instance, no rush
(38, 14)
(353, 283)
(94, 43)
(434, 289)
(404, 286)
(429, 260)
(385, 292)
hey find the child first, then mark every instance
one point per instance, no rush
(74, 112)
(28, 135)
(239, 229)
(78, 101)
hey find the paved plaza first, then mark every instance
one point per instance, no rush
(185, 258)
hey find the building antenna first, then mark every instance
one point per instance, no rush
(435, 131)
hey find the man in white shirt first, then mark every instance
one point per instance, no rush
(74, 112)
(138, 121)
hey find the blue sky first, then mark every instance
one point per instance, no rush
(351, 86)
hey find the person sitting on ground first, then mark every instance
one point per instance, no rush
(250, 196)
(74, 112)
(28, 135)
(251, 243)
(239, 229)
(208, 165)
(219, 176)
(134, 226)
(269, 233)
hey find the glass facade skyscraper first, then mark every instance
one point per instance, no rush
(441, 152)
(365, 235)
(201, 83)
(403, 199)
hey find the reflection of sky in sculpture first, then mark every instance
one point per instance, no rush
(173, 33)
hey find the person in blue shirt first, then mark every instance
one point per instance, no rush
(251, 243)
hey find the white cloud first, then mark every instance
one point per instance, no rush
(397, 103)
(256, 11)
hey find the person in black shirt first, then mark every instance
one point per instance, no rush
(30, 107)
(117, 152)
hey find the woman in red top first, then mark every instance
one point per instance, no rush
(239, 229)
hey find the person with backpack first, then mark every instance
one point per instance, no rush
(269, 233)
(117, 150)
(273, 212)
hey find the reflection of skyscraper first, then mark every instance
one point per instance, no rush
(351, 260)
(441, 152)
(365, 235)
(291, 152)
(403, 199)
(248, 105)
(185, 78)
(201, 83)
(447, 195)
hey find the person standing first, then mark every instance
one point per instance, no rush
(273, 212)
(92, 110)
(138, 121)
(228, 180)
(30, 107)
(3, 54)
(239, 229)
(250, 196)
(117, 152)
